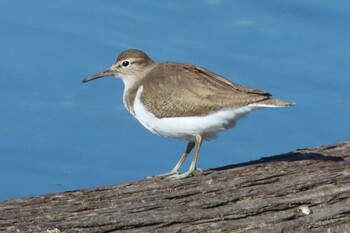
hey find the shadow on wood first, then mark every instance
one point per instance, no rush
(307, 190)
(292, 156)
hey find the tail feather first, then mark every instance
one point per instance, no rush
(274, 103)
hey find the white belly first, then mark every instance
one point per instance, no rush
(187, 127)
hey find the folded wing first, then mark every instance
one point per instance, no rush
(187, 90)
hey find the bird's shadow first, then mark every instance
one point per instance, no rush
(291, 157)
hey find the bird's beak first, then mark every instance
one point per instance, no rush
(101, 74)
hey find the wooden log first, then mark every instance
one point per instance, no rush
(307, 190)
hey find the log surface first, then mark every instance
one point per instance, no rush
(307, 190)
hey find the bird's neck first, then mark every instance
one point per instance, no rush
(129, 95)
(131, 85)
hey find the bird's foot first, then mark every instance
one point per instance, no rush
(164, 175)
(175, 175)
(184, 175)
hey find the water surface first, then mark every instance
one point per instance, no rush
(57, 134)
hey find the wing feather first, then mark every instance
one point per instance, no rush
(176, 89)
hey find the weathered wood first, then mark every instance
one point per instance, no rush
(307, 190)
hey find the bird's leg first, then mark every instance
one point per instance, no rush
(193, 163)
(175, 170)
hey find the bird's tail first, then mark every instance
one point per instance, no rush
(274, 103)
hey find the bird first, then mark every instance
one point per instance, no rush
(183, 101)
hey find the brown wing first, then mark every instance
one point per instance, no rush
(176, 89)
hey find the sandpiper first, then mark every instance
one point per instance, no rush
(183, 101)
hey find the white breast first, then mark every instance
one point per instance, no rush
(187, 127)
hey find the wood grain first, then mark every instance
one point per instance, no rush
(307, 190)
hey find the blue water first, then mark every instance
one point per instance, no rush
(57, 134)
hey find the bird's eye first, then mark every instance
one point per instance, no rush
(125, 63)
